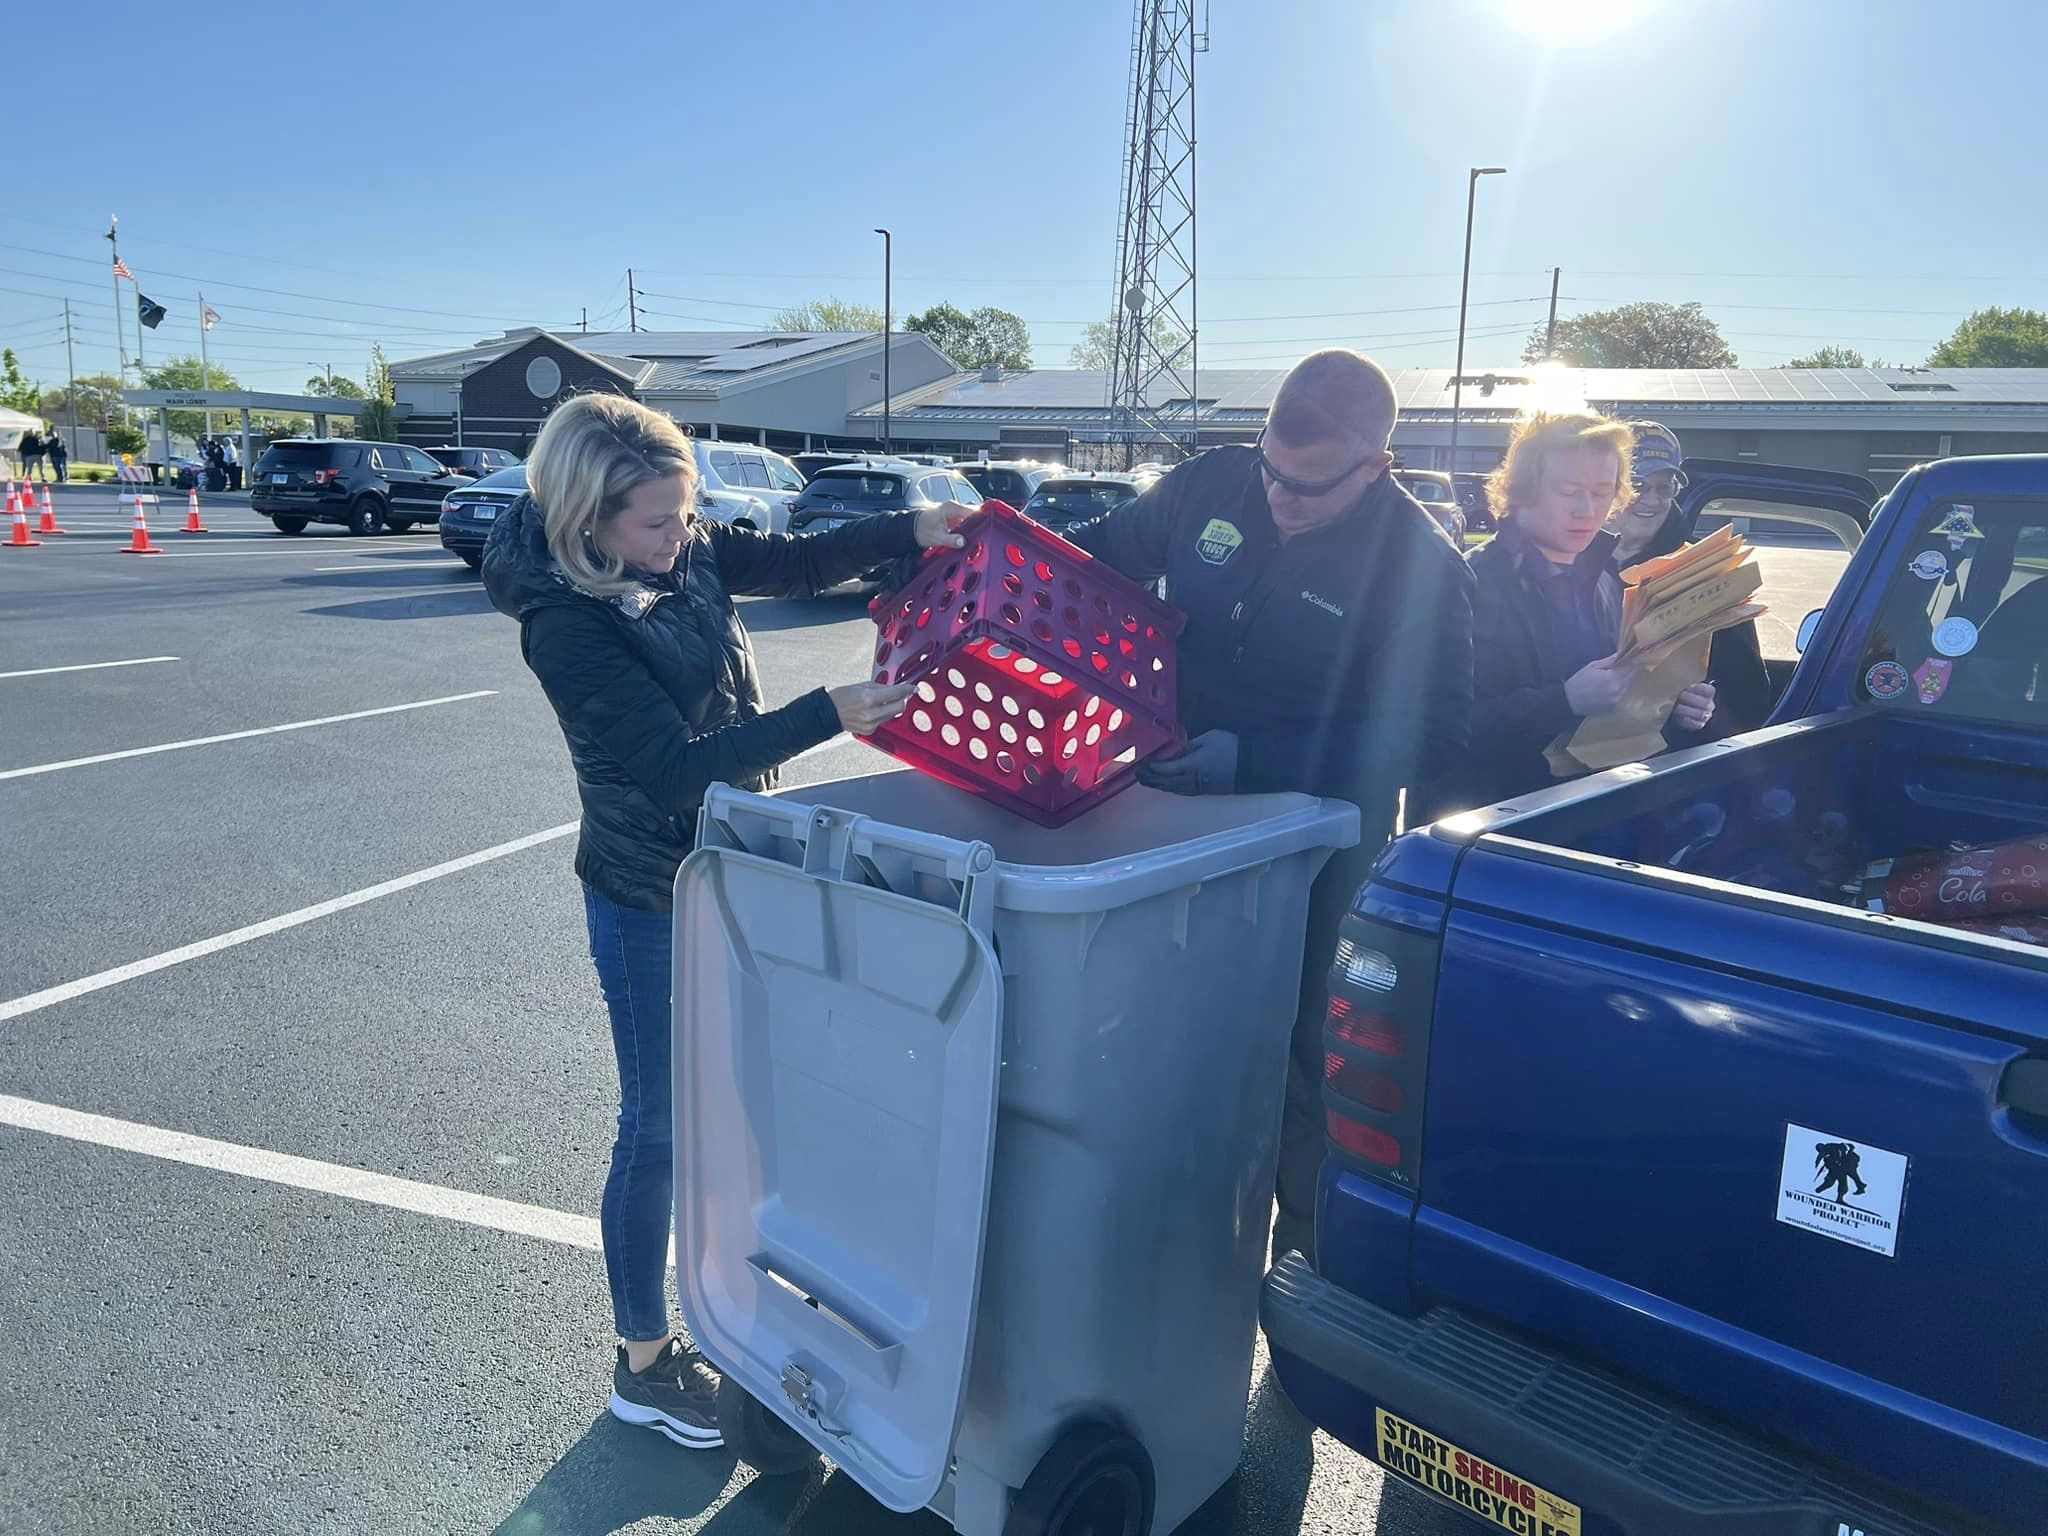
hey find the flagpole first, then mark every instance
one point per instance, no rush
(205, 373)
(120, 332)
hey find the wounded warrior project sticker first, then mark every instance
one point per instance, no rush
(1473, 1483)
(1219, 541)
(1843, 1189)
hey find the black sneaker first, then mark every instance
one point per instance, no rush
(675, 1396)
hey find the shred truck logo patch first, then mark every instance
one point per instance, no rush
(1219, 541)
(1843, 1189)
(1473, 1483)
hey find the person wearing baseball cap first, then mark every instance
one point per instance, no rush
(1649, 524)
(1648, 517)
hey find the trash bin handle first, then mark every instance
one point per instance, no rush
(854, 849)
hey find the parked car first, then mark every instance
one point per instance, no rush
(1469, 486)
(837, 496)
(1433, 489)
(474, 462)
(927, 460)
(1010, 480)
(469, 512)
(809, 463)
(1682, 1175)
(746, 486)
(1067, 501)
(363, 486)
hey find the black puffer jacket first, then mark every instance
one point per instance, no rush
(657, 691)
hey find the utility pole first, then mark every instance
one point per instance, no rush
(330, 376)
(585, 326)
(205, 368)
(888, 320)
(632, 303)
(70, 379)
(1550, 331)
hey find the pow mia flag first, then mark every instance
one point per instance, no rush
(147, 310)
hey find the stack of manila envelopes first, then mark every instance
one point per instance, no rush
(1671, 608)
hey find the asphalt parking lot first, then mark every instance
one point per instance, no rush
(305, 1085)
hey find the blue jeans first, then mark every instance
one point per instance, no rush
(631, 949)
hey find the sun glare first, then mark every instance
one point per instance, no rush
(1571, 21)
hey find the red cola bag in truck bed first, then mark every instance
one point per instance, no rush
(2000, 880)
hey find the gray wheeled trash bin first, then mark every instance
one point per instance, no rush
(976, 1124)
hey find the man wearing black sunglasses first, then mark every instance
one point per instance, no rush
(1328, 650)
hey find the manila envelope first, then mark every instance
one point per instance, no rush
(1664, 620)
(1634, 728)
(1684, 555)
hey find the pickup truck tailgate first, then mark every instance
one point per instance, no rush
(1642, 1089)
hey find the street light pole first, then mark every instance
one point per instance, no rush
(1464, 292)
(888, 319)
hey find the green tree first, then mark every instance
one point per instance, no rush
(124, 438)
(1832, 357)
(828, 315)
(987, 337)
(15, 391)
(1636, 336)
(1097, 347)
(99, 402)
(1996, 338)
(184, 372)
(378, 423)
(338, 388)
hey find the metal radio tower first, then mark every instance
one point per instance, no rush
(1152, 373)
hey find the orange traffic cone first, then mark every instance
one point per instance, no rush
(192, 523)
(19, 516)
(139, 544)
(49, 523)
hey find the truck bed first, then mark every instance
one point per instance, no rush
(1659, 1017)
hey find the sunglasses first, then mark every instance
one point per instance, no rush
(1307, 487)
(1642, 483)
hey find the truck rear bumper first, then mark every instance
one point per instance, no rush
(1633, 1458)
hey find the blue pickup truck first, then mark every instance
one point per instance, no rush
(1673, 1186)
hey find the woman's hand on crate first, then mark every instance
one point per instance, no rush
(865, 708)
(935, 526)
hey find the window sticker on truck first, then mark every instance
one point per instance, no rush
(1847, 1190)
(1472, 1482)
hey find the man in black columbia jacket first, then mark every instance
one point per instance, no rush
(1328, 650)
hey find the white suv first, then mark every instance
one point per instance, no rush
(746, 486)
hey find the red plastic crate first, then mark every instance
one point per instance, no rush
(1043, 676)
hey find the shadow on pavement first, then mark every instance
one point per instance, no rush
(820, 1504)
(616, 1476)
(414, 573)
(458, 602)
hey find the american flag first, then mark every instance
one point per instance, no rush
(121, 269)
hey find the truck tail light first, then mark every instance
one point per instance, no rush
(1376, 1045)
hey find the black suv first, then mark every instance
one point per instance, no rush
(474, 462)
(837, 496)
(1011, 480)
(362, 486)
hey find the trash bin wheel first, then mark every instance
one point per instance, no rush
(1095, 1481)
(757, 1437)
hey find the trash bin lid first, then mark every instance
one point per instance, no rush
(837, 1053)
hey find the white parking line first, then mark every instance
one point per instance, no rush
(392, 565)
(87, 666)
(261, 730)
(304, 1173)
(270, 553)
(50, 996)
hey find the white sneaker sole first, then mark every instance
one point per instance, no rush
(687, 1435)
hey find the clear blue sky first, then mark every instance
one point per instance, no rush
(1815, 171)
